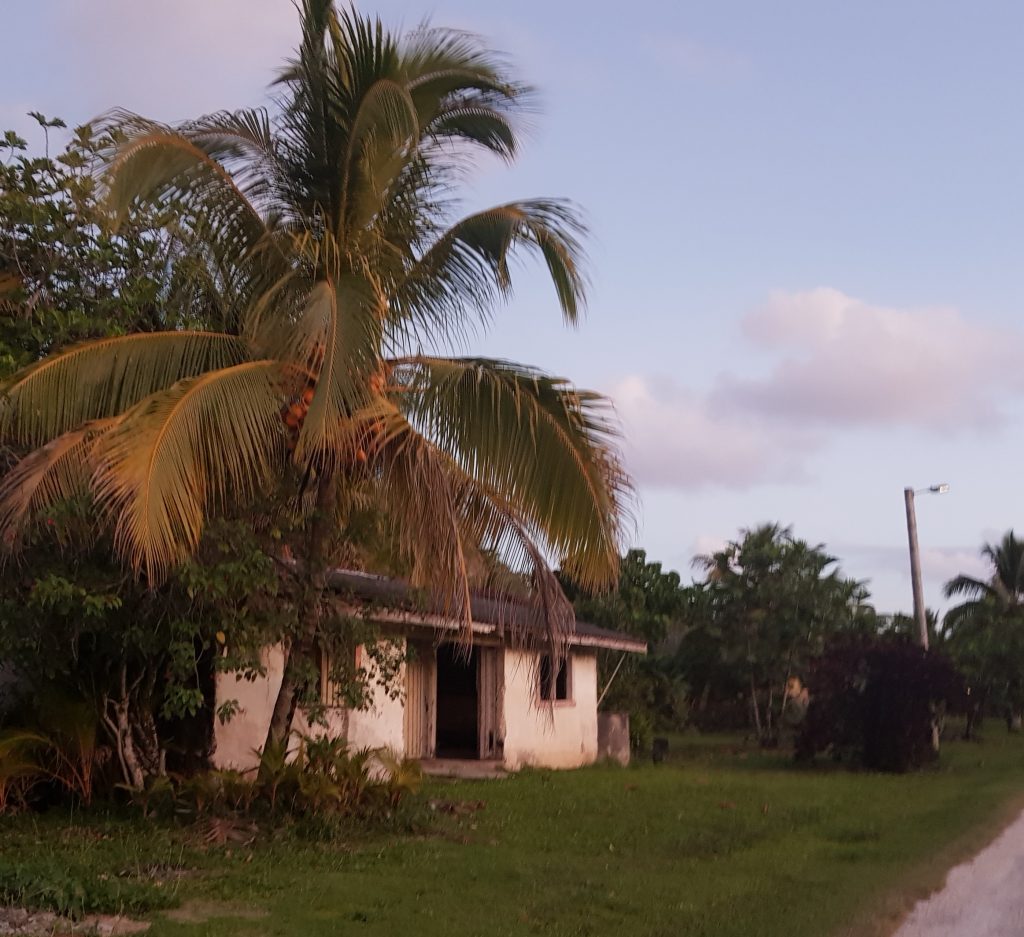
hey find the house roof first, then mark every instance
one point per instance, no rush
(399, 604)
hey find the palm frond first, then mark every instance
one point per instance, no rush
(417, 493)
(443, 517)
(163, 163)
(338, 338)
(202, 443)
(220, 193)
(545, 448)
(468, 267)
(463, 92)
(57, 472)
(104, 377)
(242, 138)
(969, 586)
(384, 133)
(496, 526)
(969, 617)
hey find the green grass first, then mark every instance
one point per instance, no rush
(719, 841)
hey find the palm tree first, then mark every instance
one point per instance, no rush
(986, 632)
(324, 232)
(1005, 588)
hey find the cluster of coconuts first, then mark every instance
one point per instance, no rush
(294, 412)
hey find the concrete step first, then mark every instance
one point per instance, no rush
(464, 768)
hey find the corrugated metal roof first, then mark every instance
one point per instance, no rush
(490, 615)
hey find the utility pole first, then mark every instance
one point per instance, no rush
(915, 570)
(920, 616)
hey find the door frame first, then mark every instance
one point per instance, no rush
(490, 696)
(419, 723)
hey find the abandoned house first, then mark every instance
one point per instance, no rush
(501, 702)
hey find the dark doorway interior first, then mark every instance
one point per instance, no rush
(457, 703)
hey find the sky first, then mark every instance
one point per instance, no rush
(806, 226)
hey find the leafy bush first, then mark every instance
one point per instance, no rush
(57, 752)
(48, 883)
(326, 776)
(873, 702)
(323, 776)
(70, 726)
(20, 767)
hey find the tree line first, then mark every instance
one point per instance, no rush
(737, 648)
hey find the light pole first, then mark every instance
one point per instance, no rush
(915, 560)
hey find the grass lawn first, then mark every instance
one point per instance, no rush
(716, 842)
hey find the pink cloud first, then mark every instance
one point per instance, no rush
(676, 439)
(830, 362)
(840, 360)
(177, 59)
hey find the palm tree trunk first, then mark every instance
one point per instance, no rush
(302, 648)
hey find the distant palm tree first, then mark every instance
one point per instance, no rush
(986, 632)
(323, 232)
(1005, 587)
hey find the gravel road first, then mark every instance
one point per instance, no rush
(981, 898)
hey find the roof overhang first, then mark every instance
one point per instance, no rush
(384, 605)
(402, 620)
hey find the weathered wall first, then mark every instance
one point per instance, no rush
(536, 733)
(240, 739)
(237, 740)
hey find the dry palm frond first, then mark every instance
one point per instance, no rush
(417, 493)
(103, 378)
(57, 472)
(178, 454)
(440, 514)
(339, 337)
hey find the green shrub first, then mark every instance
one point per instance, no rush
(322, 778)
(47, 883)
(20, 767)
(156, 796)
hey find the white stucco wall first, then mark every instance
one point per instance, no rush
(535, 733)
(541, 735)
(239, 740)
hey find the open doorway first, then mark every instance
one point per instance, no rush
(457, 703)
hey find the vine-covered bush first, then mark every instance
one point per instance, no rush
(873, 702)
(319, 777)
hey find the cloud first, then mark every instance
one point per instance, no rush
(676, 439)
(177, 59)
(828, 362)
(842, 361)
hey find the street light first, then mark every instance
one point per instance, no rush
(915, 559)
